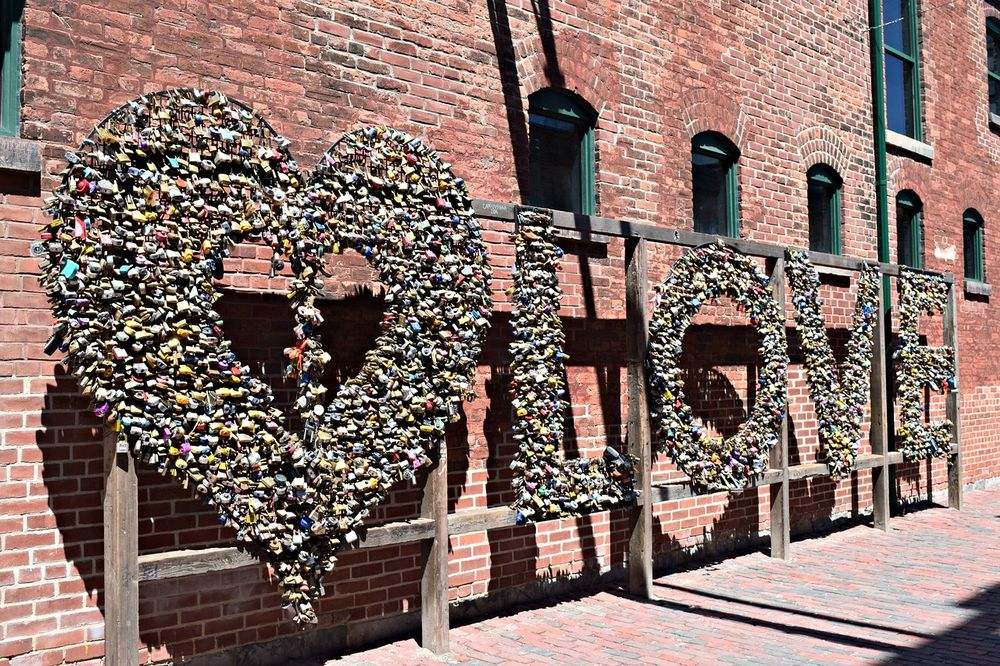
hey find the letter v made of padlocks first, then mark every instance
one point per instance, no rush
(839, 396)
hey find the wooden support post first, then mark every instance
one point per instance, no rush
(879, 432)
(781, 529)
(952, 403)
(434, 579)
(640, 543)
(121, 556)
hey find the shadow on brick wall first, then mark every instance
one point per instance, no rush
(211, 612)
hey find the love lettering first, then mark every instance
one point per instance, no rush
(145, 217)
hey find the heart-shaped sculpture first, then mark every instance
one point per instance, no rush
(147, 211)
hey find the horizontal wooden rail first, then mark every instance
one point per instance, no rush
(171, 564)
(177, 563)
(593, 225)
(669, 491)
(123, 568)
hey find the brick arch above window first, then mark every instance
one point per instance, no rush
(905, 174)
(979, 199)
(579, 70)
(820, 144)
(710, 110)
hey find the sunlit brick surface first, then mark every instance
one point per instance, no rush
(926, 592)
(787, 81)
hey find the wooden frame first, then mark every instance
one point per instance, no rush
(125, 568)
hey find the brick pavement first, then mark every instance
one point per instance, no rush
(926, 592)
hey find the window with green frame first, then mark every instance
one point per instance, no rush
(715, 185)
(561, 151)
(993, 63)
(909, 230)
(973, 245)
(10, 69)
(902, 67)
(824, 190)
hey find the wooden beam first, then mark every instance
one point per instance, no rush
(177, 563)
(676, 490)
(481, 520)
(781, 530)
(952, 406)
(640, 544)
(588, 225)
(121, 555)
(434, 579)
(18, 154)
(878, 433)
(869, 461)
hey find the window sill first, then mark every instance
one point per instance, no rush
(995, 122)
(912, 147)
(20, 155)
(977, 288)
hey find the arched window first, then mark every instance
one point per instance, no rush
(824, 186)
(973, 246)
(993, 63)
(561, 151)
(715, 185)
(909, 229)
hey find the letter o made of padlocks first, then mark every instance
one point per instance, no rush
(702, 275)
(148, 210)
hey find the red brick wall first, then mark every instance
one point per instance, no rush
(789, 85)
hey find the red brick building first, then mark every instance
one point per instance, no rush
(781, 87)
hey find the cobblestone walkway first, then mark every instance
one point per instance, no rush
(926, 592)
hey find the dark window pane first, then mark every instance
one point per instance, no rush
(969, 251)
(821, 200)
(555, 164)
(993, 49)
(904, 241)
(710, 187)
(898, 97)
(908, 232)
(895, 17)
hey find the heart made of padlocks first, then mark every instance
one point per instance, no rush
(546, 485)
(839, 396)
(702, 275)
(148, 210)
(918, 366)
